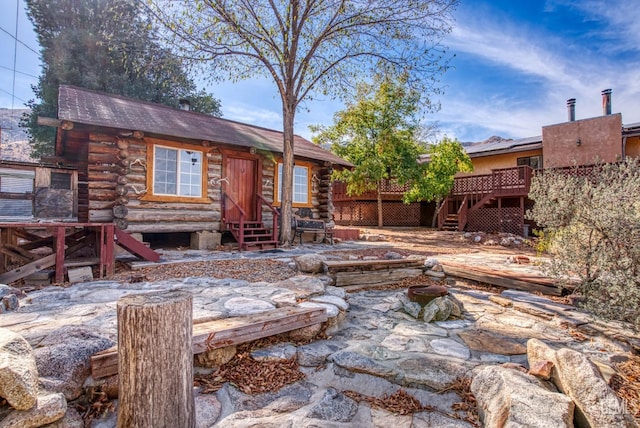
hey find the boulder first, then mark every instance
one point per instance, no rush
(392, 255)
(310, 263)
(215, 357)
(508, 397)
(63, 358)
(18, 372)
(48, 409)
(573, 373)
(596, 403)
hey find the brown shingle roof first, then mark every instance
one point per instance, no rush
(88, 107)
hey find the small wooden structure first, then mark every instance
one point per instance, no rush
(372, 272)
(226, 332)
(70, 244)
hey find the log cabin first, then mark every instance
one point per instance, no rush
(165, 174)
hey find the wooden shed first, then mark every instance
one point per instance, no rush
(153, 169)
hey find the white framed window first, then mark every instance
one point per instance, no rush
(301, 186)
(177, 172)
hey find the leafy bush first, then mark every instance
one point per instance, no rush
(593, 218)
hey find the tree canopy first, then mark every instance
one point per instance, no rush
(378, 133)
(105, 45)
(309, 47)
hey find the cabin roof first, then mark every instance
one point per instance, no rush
(89, 107)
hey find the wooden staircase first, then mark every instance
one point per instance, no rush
(252, 235)
(450, 223)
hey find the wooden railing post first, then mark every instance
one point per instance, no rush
(155, 360)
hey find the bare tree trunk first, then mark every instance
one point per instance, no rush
(380, 219)
(155, 360)
(287, 176)
(434, 221)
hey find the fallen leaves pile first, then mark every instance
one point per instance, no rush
(95, 405)
(250, 376)
(626, 384)
(401, 402)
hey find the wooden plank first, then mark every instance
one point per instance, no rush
(28, 269)
(352, 263)
(379, 277)
(225, 332)
(513, 275)
(136, 247)
(18, 253)
(470, 273)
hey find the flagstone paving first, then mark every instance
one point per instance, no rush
(375, 350)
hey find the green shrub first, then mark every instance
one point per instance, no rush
(592, 216)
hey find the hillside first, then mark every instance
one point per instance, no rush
(14, 145)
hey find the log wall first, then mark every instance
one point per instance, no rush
(116, 182)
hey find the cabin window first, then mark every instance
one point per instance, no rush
(301, 185)
(535, 162)
(177, 172)
(61, 180)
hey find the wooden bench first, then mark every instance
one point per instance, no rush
(226, 332)
(314, 226)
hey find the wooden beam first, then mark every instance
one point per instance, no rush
(501, 281)
(376, 277)
(226, 332)
(28, 269)
(48, 121)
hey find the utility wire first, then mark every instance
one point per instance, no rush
(15, 96)
(18, 40)
(17, 71)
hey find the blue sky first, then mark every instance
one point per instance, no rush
(516, 63)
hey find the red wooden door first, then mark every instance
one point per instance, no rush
(241, 174)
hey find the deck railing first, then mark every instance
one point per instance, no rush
(501, 182)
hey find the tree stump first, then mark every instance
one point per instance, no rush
(155, 360)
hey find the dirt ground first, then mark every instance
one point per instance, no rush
(425, 242)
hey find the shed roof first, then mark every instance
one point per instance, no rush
(89, 107)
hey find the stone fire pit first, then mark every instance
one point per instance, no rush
(429, 303)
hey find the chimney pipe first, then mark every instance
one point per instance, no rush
(571, 109)
(184, 104)
(606, 102)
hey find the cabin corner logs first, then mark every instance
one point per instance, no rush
(116, 188)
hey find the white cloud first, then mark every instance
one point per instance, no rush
(561, 71)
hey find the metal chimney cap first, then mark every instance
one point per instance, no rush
(606, 91)
(184, 104)
(571, 101)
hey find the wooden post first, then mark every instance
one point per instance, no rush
(155, 360)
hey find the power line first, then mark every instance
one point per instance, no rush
(12, 95)
(20, 41)
(17, 71)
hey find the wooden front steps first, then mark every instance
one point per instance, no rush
(372, 272)
(226, 332)
(451, 223)
(253, 236)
